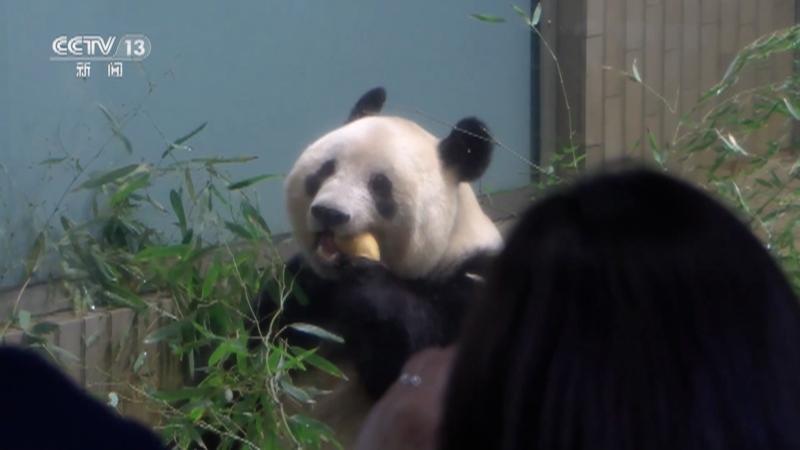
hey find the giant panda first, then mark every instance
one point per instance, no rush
(388, 176)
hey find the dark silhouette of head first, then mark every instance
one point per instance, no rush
(629, 311)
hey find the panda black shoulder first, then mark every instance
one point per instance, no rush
(454, 294)
(477, 265)
(472, 269)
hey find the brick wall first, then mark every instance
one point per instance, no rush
(681, 48)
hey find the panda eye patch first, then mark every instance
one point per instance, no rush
(315, 180)
(380, 185)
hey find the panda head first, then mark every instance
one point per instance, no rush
(389, 176)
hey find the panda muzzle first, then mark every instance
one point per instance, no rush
(363, 245)
(326, 247)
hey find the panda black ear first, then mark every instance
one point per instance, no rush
(468, 149)
(370, 104)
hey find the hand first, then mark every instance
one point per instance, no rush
(410, 406)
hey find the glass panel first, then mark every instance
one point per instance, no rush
(267, 77)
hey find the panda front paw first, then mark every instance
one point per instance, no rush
(368, 293)
(359, 276)
(355, 270)
(360, 262)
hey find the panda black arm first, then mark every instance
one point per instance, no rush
(315, 289)
(385, 319)
(455, 294)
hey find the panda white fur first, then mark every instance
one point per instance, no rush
(388, 176)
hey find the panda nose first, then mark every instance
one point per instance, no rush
(329, 217)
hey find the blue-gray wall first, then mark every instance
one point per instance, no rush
(269, 76)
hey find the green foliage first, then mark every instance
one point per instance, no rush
(220, 261)
(214, 259)
(750, 135)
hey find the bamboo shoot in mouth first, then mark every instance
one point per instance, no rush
(361, 245)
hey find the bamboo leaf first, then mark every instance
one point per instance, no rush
(116, 128)
(537, 14)
(215, 160)
(163, 252)
(250, 181)
(316, 331)
(129, 188)
(63, 352)
(108, 177)
(36, 252)
(522, 14)
(238, 230)
(24, 319)
(654, 148)
(487, 18)
(177, 206)
(190, 185)
(250, 213)
(52, 161)
(317, 361)
(211, 280)
(635, 72)
(178, 142)
(791, 108)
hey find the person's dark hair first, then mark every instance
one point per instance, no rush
(629, 311)
(43, 409)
